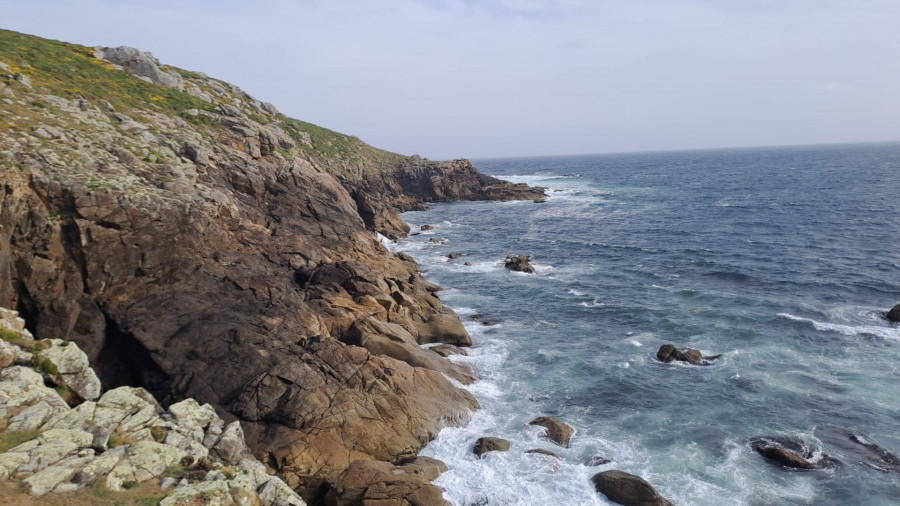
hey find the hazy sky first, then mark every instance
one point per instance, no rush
(467, 78)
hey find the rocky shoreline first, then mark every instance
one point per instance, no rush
(198, 244)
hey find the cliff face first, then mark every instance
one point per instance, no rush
(200, 244)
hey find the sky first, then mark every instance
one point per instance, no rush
(493, 78)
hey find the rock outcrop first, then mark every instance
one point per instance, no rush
(373, 482)
(490, 444)
(790, 453)
(199, 244)
(121, 439)
(669, 353)
(519, 263)
(627, 489)
(380, 196)
(558, 432)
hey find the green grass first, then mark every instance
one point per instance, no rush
(70, 71)
(11, 336)
(13, 438)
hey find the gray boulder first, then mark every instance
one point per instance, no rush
(141, 64)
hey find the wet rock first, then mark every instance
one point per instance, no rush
(669, 353)
(519, 263)
(445, 350)
(426, 227)
(434, 240)
(558, 432)
(490, 444)
(467, 264)
(858, 449)
(894, 314)
(789, 453)
(454, 255)
(627, 489)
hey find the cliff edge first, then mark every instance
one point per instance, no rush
(197, 243)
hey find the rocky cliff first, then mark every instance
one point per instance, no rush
(195, 242)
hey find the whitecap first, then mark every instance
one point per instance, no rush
(892, 333)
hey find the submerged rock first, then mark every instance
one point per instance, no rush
(490, 444)
(558, 432)
(669, 353)
(541, 451)
(627, 489)
(519, 263)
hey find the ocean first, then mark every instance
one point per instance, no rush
(783, 260)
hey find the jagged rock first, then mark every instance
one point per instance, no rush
(490, 444)
(627, 489)
(25, 402)
(230, 448)
(455, 255)
(276, 493)
(558, 432)
(519, 263)
(426, 227)
(207, 493)
(68, 366)
(894, 314)
(141, 64)
(176, 257)
(669, 353)
(373, 482)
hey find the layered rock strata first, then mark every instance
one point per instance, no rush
(199, 244)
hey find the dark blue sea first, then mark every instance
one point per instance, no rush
(783, 260)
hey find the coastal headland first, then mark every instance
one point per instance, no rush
(197, 243)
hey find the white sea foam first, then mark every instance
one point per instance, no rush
(572, 291)
(596, 303)
(884, 332)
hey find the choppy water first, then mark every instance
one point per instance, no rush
(781, 259)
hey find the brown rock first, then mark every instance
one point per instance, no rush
(445, 350)
(627, 489)
(490, 444)
(374, 482)
(558, 432)
(428, 467)
(775, 450)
